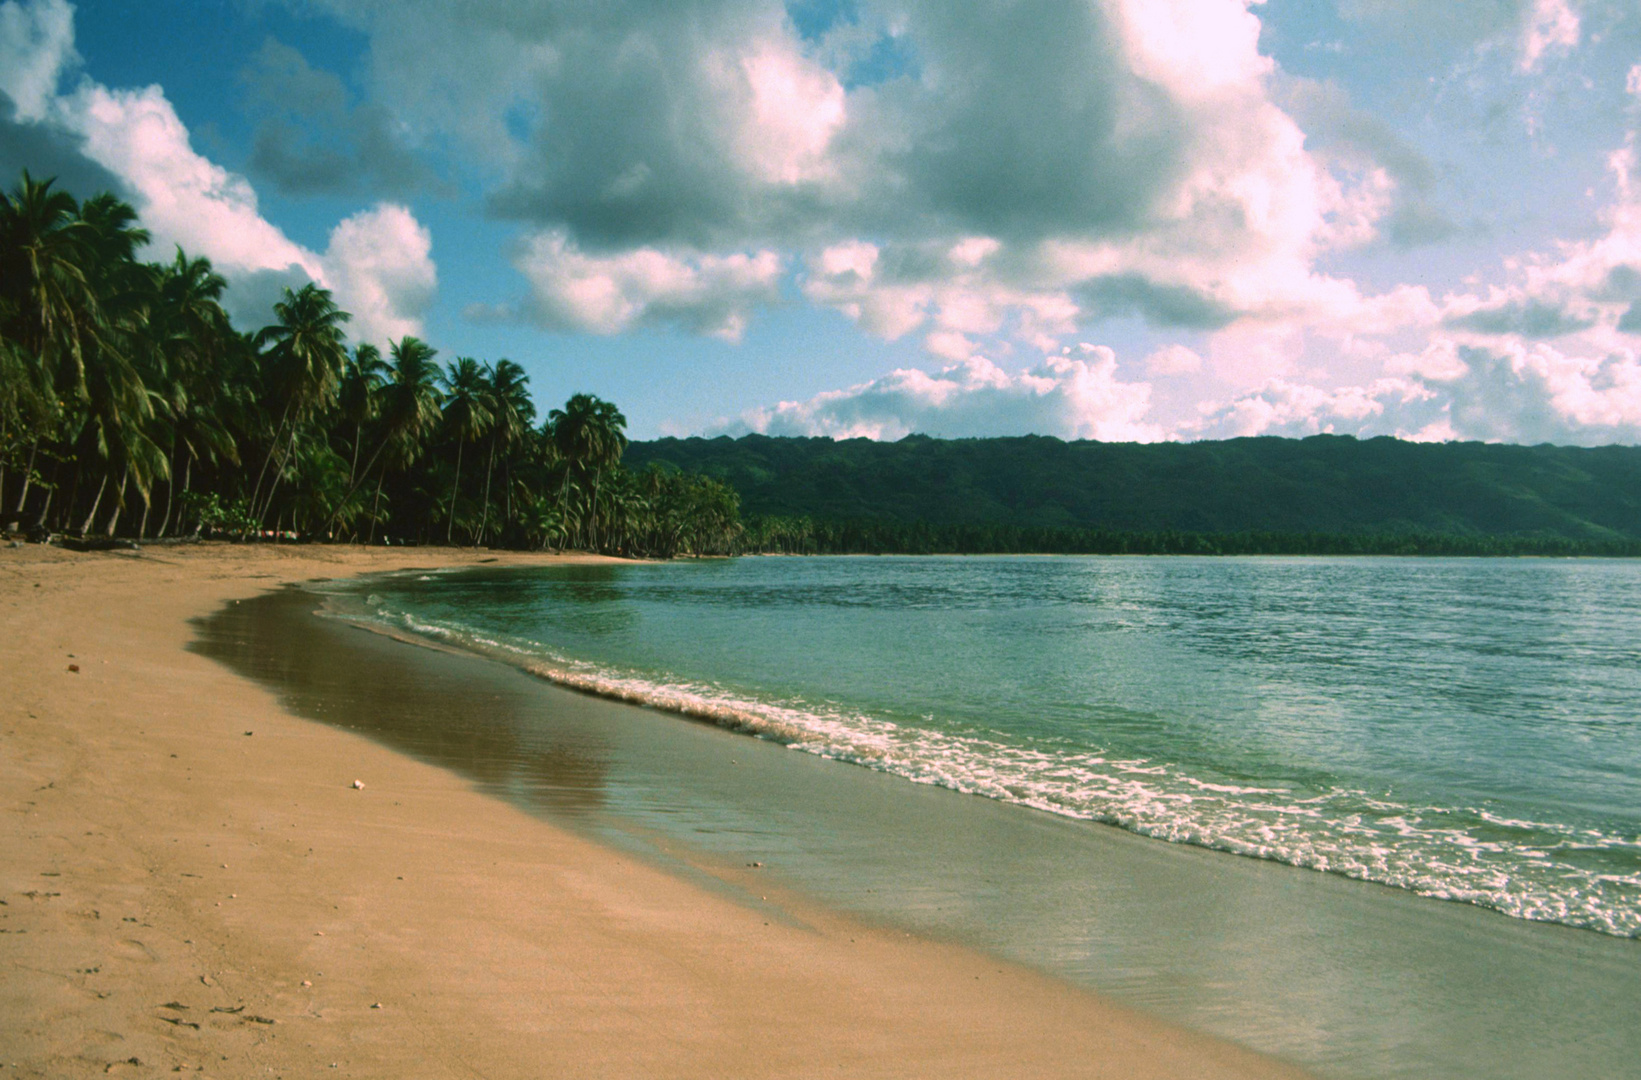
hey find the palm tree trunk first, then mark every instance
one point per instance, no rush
(592, 531)
(489, 471)
(95, 503)
(273, 485)
(353, 466)
(51, 489)
(450, 525)
(354, 486)
(28, 475)
(170, 491)
(45, 506)
(142, 525)
(272, 446)
(187, 478)
(376, 503)
(119, 503)
(66, 511)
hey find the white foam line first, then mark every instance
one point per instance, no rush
(1423, 849)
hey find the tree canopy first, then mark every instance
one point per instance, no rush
(131, 406)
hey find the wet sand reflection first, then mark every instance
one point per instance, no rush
(479, 720)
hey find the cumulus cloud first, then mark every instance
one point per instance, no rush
(183, 197)
(1515, 393)
(1163, 181)
(1075, 396)
(1394, 182)
(572, 290)
(48, 152)
(313, 139)
(36, 44)
(1173, 359)
(378, 262)
(1585, 289)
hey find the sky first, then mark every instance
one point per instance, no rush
(1093, 219)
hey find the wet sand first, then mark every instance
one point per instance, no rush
(192, 883)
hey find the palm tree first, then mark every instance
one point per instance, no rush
(590, 433)
(468, 414)
(48, 302)
(513, 411)
(307, 353)
(409, 409)
(119, 362)
(197, 344)
(359, 397)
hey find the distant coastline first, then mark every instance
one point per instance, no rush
(804, 536)
(1323, 495)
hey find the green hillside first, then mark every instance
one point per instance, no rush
(1328, 485)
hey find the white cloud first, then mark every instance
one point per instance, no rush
(1516, 393)
(378, 263)
(183, 197)
(1552, 26)
(1074, 397)
(1173, 360)
(36, 47)
(606, 294)
(1163, 181)
(793, 110)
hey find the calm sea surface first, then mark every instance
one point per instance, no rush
(1468, 730)
(1380, 817)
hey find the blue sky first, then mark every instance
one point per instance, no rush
(1114, 219)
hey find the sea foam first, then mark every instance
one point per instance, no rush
(1543, 871)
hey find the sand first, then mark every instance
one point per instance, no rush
(190, 881)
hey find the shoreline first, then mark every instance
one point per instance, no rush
(172, 882)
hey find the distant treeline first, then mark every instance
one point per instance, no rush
(1321, 495)
(805, 536)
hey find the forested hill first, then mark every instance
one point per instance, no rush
(1323, 484)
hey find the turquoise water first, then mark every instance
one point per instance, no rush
(1468, 730)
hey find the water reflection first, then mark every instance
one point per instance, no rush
(484, 725)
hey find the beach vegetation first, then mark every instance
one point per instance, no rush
(131, 406)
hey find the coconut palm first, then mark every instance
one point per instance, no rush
(45, 298)
(120, 365)
(306, 351)
(512, 413)
(591, 435)
(409, 409)
(468, 415)
(191, 333)
(359, 397)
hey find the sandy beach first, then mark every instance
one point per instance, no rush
(190, 881)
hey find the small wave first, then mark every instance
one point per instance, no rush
(1542, 871)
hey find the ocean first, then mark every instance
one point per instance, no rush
(1350, 811)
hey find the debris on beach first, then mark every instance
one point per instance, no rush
(74, 668)
(358, 785)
